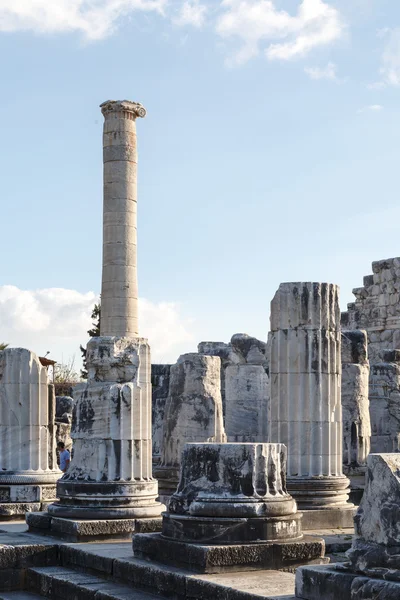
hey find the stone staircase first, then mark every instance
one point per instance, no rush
(109, 571)
(62, 583)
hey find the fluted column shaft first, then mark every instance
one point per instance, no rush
(119, 293)
(306, 412)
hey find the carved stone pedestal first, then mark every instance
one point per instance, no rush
(231, 512)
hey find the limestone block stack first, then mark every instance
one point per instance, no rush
(355, 401)
(384, 397)
(193, 413)
(28, 465)
(377, 308)
(231, 511)
(306, 413)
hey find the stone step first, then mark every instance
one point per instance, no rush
(60, 583)
(20, 596)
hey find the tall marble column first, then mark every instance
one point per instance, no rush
(110, 476)
(119, 290)
(306, 412)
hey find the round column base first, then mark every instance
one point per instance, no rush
(319, 493)
(107, 500)
(229, 530)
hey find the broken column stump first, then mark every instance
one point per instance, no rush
(231, 512)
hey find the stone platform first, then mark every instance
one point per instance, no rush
(74, 530)
(317, 583)
(203, 558)
(342, 517)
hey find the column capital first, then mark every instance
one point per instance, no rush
(133, 109)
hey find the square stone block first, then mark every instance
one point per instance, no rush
(203, 558)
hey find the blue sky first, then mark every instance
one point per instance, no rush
(269, 153)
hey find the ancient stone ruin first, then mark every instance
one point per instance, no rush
(355, 401)
(109, 483)
(160, 387)
(193, 413)
(306, 411)
(231, 511)
(373, 570)
(28, 465)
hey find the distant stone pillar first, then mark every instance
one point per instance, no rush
(193, 413)
(306, 412)
(355, 402)
(384, 402)
(247, 397)
(28, 465)
(119, 291)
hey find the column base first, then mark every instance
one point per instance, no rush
(230, 530)
(106, 500)
(18, 499)
(319, 493)
(81, 530)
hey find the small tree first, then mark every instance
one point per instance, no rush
(3, 346)
(65, 377)
(93, 332)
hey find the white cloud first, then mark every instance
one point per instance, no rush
(95, 19)
(371, 108)
(328, 72)
(390, 69)
(192, 12)
(57, 320)
(253, 22)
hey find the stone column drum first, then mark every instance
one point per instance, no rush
(306, 412)
(28, 465)
(110, 476)
(231, 511)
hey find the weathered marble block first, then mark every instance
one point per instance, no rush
(306, 412)
(193, 413)
(110, 475)
(373, 570)
(355, 401)
(247, 398)
(160, 375)
(384, 398)
(28, 464)
(231, 511)
(194, 407)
